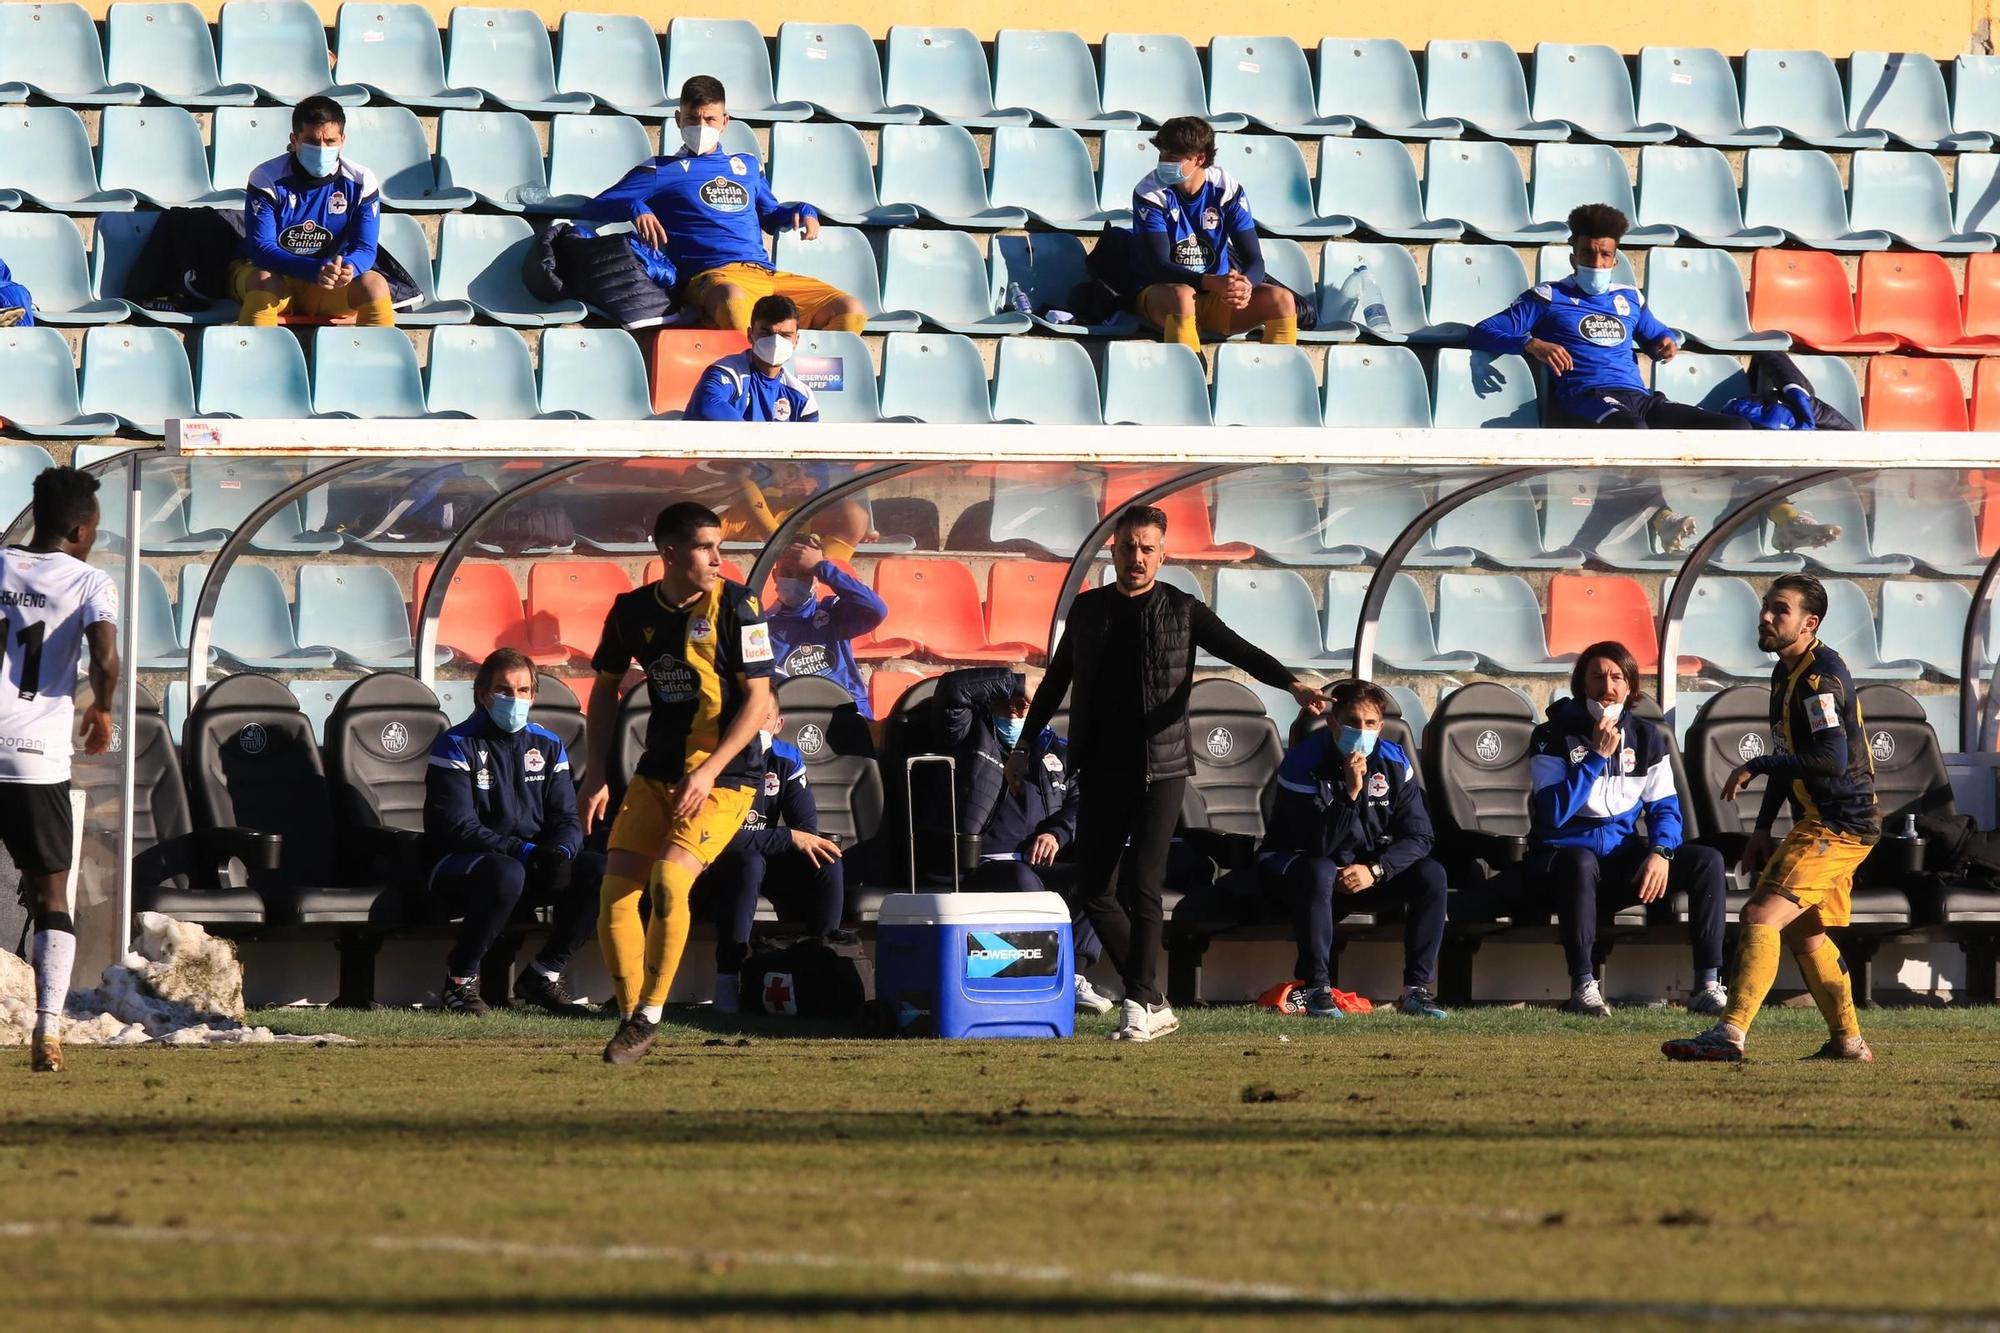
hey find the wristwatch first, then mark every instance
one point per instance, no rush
(1375, 869)
(1664, 853)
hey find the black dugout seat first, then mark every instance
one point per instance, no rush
(1475, 762)
(823, 721)
(557, 710)
(1237, 749)
(378, 744)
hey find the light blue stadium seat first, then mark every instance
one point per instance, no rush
(279, 48)
(483, 372)
(1800, 92)
(733, 51)
(1553, 263)
(504, 53)
(252, 627)
(598, 374)
(1048, 266)
(317, 700)
(615, 59)
(1124, 158)
(247, 372)
(1046, 173)
(1691, 189)
(1693, 89)
(1154, 384)
(934, 377)
(1279, 603)
(1905, 195)
(1368, 519)
(1051, 382)
(1285, 263)
(52, 51)
(837, 366)
(243, 138)
(1374, 81)
(390, 142)
(1375, 182)
(1498, 618)
(1404, 638)
(1923, 515)
(1394, 273)
(1904, 94)
(166, 49)
(1701, 379)
(45, 253)
(1415, 716)
(1054, 75)
(936, 170)
(828, 165)
(1975, 95)
(38, 394)
(942, 276)
(588, 155)
(1568, 174)
(1838, 502)
(943, 70)
(156, 153)
(1570, 496)
(1272, 172)
(1849, 629)
(1468, 283)
(832, 67)
(1056, 518)
(366, 373)
(403, 238)
(845, 257)
(495, 155)
(1925, 622)
(1942, 712)
(1265, 79)
(1481, 84)
(1502, 528)
(395, 52)
(1588, 88)
(45, 157)
(1799, 192)
(1480, 185)
(1258, 384)
(1707, 500)
(1474, 390)
(20, 464)
(358, 611)
(1833, 382)
(1700, 293)
(1158, 75)
(139, 375)
(160, 645)
(1687, 704)
(1719, 626)
(1274, 510)
(1375, 386)
(222, 495)
(1977, 194)
(479, 260)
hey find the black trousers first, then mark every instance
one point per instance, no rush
(1317, 907)
(1121, 884)
(808, 895)
(1637, 409)
(1586, 888)
(1020, 877)
(487, 888)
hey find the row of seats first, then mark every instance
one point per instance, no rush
(276, 50)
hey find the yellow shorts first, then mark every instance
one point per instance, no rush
(1814, 867)
(307, 299)
(810, 294)
(1211, 312)
(645, 823)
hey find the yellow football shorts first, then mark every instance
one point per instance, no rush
(308, 300)
(1211, 312)
(645, 823)
(809, 294)
(1814, 867)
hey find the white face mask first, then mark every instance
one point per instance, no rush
(772, 349)
(701, 138)
(767, 737)
(1599, 711)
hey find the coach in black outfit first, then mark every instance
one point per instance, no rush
(1127, 656)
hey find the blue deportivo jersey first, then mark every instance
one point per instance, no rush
(1197, 226)
(716, 207)
(1599, 332)
(294, 223)
(734, 390)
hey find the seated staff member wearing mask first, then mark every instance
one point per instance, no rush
(1350, 833)
(813, 636)
(1596, 769)
(756, 385)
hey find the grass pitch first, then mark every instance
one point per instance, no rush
(1506, 1169)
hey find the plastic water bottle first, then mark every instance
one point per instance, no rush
(1018, 299)
(1364, 301)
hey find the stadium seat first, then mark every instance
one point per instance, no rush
(1054, 75)
(1910, 780)
(1158, 75)
(1272, 172)
(495, 155)
(1047, 382)
(1837, 502)
(395, 52)
(1800, 91)
(1265, 80)
(139, 375)
(45, 157)
(941, 276)
(390, 142)
(832, 68)
(1832, 382)
(1553, 263)
(479, 260)
(842, 375)
(1708, 501)
(1279, 603)
(1798, 191)
(615, 60)
(1285, 263)
(482, 611)
(1805, 293)
(1730, 727)
(1701, 379)
(51, 50)
(1700, 292)
(1394, 273)
(1978, 196)
(156, 153)
(38, 394)
(1155, 384)
(887, 688)
(365, 373)
(402, 237)
(45, 253)
(166, 49)
(943, 71)
(161, 647)
(221, 497)
(1472, 390)
(1925, 622)
(1502, 528)
(1569, 497)
(845, 774)
(1589, 89)
(1914, 298)
(1046, 173)
(20, 464)
(1693, 191)
(243, 138)
(1368, 519)
(1273, 510)
(483, 372)
(1481, 84)
(1374, 81)
(597, 374)
(279, 48)
(1568, 174)
(1264, 385)
(1588, 608)
(1904, 94)
(377, 752)
(934, 377)
(1975, 95)
(734, 51)
(1849, 629)
(828, 164)
(1468, 283)
(935, 169)
(568, 601)
(1048, 267)
(677, 357)
(1692, 89)
(358, 612)
(1914, 393)
(1124, 159)
(1404, 639)
(1475, 760)
(252, 626)
(1236, 755)
(504, 54)
(1055, 515)
(1479, 185)
(1924, 515)
(1905, 195)
(934, 605)
(1375, 387)
(1986, 416)
(248, 372)
(1719, 626)
(1186, 509)
(1021, 597)
(1375, 182)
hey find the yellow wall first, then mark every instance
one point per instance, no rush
(1940, 27)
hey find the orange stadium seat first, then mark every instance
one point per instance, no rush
(1914, 393)
(1021, 598)
(885, 687)
(576, 595)
(482, 611)
(1914, 298)
(1190, 530)
(677, 358)
(1986, 416)
(1804, 292)
(1588, 608)
(934, 606)
(655, 568)
(1982, 295)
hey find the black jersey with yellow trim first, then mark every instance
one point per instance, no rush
(1823, 758)
(698, 658)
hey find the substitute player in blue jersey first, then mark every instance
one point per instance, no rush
(310, 223)
(812, 635)
(1196, 263)
(1584, 329)
(757, 385)
(708, 210)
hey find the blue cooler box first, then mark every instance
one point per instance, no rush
(976, 964)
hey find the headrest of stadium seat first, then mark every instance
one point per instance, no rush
(386, 689)
(916, 696)
(553, 692)
(1889, 703)
(1216, 695)
(247, 689)
(1644, 706)
(1738, 703)
(817, 693)
(1482, 699)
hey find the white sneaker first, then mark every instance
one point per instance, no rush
(1712, 1000)
(1588, 1001)
(726, 994)
(1134, 1023)
(1160, 1021)
(1090, 998)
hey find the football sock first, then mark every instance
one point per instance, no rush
(552, 973)
(377, 314)
(1826, 977)
(652, 1013)
(55, 953)
(1708, 976)
(622, 937)
(262, 309)
(667, 932)
(1756, 968)
(1184, 329)
(736, 310)
(853, 323)
(1281, 330)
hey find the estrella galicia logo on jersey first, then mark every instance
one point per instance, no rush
(1191, 253)
(253, 738)
(725, 196)
(808, 659)
(304, 238)
(673, 681)
(1604, 330)
(1011, 953)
